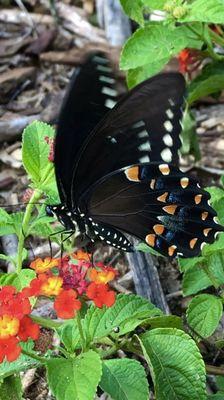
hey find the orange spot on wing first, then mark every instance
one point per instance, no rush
(170, 209)
(164, 169)
(206, 231)
(184, 182)
(193, 242)
(171, 250)
(204, 215)
(158, 229)
(163, 197)
(132, 174)
(198, 198)
(150, 239)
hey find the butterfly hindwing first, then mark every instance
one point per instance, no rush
(158, 204)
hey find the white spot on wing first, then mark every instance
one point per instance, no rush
(143, 134)
(138, 124)
(168, 140)
(102, 68)
(171, 102)
(100, 60)
(106, 79)
(108, 91)
(145, 146)
(144, 159)
(169, 113)
(168, 126)
(109, 103)
(166, 154)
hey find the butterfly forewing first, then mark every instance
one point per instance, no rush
(143, 127)
(85, 104)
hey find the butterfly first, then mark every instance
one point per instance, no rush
(116, 164)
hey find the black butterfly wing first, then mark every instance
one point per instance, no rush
(158, 204)
(144, 126)
(85, 104)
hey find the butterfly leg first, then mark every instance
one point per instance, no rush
(49, 239)
(70, 233)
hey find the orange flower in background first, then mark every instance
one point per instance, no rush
(105, 275)
(9, 349)
(101, 295)
(189, 60)
(28, 329)
(52, 286)
(81, 255)
(66, 304)
(14, 304)
(9, 326)
(41, 266)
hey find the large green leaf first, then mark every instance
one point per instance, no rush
(189, 137)
(35, 153)
(204, 313)
(124, 379)
(211, 11)
(127, 313)
(69, 335)
(176, 365)
(11, 388)
(211, 80)
(75, 379)
(139, 74)
(134, 10)
(156, 42)
(195, 280)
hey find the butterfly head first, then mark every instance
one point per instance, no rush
(67, 218)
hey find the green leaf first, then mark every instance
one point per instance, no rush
(17, 219)
(127, 313)
(23, 363)
(6, 223)
(205, 11)
(220, 382)
(20, 280)
(204, 313)
(217, 396)
(216, 193)
(124, 379)
(176, 365)
(11, 388)
(211, 80)
(139, 74)
(75, 379)
(38, 167)
(155, 42)
(189, 137)
(154, 4)
(147, 249)
(69, 335)
(134, 10)
(195, 280)
(166, 321)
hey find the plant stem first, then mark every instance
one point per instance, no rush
(216, 38)
(26, 219)
(212, 370)
(46, 322)
(79, 324)
(35, 356)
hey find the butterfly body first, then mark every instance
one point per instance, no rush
(117, 165)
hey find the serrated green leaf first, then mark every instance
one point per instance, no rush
(69, 335)
(127, 313)
(20, 280)
(176, 365)
(17, 219)
(204, 313)
(211, 80)
(134, 10)
(75, 379)
(220, 382)
(195, 280)
(156, 42)
(166, 321)
(217, 396)
(7, 279)
(216, 193)
(188, 263)
(137, 75)
(38, 167)
(11, 388)
(154, 4)
(124, 379)
(205, 11)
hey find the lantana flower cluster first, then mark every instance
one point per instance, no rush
(69, 281)
(15, 324)
(189, 61)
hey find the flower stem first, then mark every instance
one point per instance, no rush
(79, 324)
(46, 322)
(24, 228)
(35, 356)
